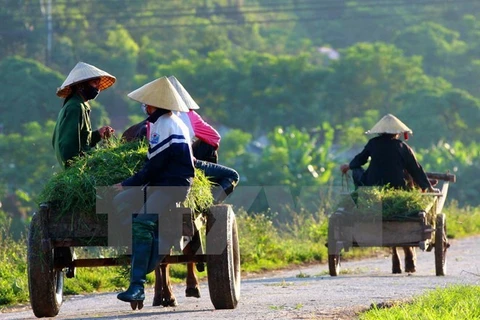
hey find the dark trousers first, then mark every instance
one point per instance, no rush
(357, 176)
(225, 177)
(204, 151)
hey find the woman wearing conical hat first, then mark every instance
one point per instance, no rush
(73, 133)
(205, 143)
(205, 139)
(389, 158)
(168, 171)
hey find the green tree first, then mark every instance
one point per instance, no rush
(440, 112)
(28, 93)
(293, 158)
(27, 158)
(23, 30)
(269, 90)
(440, 48)
(234, 150)
(292, 168)
(461, 159)
(368, 77)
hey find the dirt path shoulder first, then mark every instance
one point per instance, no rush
(303, 293)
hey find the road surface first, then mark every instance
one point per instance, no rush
(303, 293)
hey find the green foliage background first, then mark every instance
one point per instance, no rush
(289, 113)
(256, 69)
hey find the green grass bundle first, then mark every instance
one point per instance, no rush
(74, 190)
(390, 203)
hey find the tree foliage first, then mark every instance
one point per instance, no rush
(257, 68)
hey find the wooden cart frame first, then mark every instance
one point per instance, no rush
(52, 239)
(346, 231)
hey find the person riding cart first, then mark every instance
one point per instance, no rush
(168, 172)
(390, 158)
(392, 164)
(224, 179)
(205, 138)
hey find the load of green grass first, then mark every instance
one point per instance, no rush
(73, 191)
(389, 203)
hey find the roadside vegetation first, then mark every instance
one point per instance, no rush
(263, 246)
(458, 302)
(308, 78)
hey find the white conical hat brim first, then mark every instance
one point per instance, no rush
(159, 93)
(187, 98)
(83, 72)
(389, 124)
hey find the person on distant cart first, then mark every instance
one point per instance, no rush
(73, 133)
(392, 163)
(390, 158)
(168, 171)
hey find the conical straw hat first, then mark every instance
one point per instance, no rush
(82, 72)
(191, 104)
(159, 93)
(389, 124)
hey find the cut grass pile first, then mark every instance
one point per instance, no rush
(389, 203)
(74, 190)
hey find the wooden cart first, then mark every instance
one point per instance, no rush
(345, 230)
(52, 239)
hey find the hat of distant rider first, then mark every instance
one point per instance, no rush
(159, 93)
(389, 124)
(191, 104)
(84, 72)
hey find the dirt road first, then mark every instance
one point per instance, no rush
(305, 293)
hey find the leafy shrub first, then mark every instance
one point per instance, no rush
(13, 271)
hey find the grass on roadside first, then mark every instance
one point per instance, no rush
(263, 246)
(13, 269)
(457, 302)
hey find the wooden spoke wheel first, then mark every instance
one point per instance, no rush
(333, 253)
(441, 245)
(45, 283)
(223, 257)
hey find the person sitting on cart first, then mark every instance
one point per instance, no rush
(205, 138)
(392, 163)
(73, 133)
(224, 178)
(390, 158)
(205, 143)
(168, 171)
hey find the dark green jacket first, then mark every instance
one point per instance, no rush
(73, 131)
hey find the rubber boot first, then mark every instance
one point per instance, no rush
(155, 257)
(141, 256)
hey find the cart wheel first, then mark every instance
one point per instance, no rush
(45, 283)
(333, 254)
(441, 245)
(223, 257)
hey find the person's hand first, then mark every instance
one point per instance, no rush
(118, 187)
(434, 190)
(344, 168)
(106, 132)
